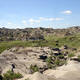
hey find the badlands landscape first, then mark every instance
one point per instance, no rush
(39, 40)
(40, 54)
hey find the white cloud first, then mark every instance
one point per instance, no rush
(43, 19)
(24, 21)
(46, 19)
(9, 23)
(32, 21)
(67, 12)
(58, 19)
(50, 19)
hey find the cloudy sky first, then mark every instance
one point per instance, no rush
(39, 13)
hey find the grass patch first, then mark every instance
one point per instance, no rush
(34, 68)
(11, 76)
(50, 41)
(71, 55)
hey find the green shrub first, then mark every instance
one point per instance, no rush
(27, 79)
(57, 62)
(1, 77)
(71, 55)
(11, 76)
(50, 62)
(51, 66)
(49, 59)
(61, 56)
(79, 57)
(34, 68)
(54, 61)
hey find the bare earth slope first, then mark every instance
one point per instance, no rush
(24, 57)
(71, 71)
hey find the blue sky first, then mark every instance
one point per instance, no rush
(39, 13)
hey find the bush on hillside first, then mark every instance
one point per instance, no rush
(71, 55)
(9, 75)
(34, 68)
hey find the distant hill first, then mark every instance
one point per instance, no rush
(35, 33)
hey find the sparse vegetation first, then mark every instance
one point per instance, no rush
(79, 57)
(71, 55)
(49, 42)
(34, 68)
(17, 37)
(11, 76)
(27, 79)
(54, 61)
(50, 62)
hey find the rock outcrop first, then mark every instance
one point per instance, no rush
(35, 33)
(23, 58)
